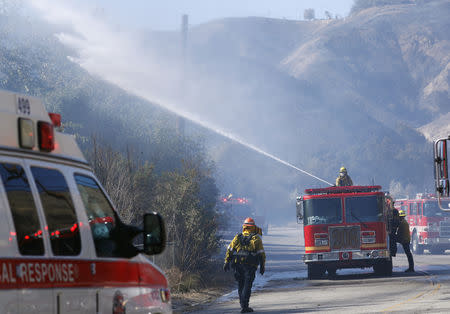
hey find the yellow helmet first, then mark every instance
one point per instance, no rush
(401, 213)
(343, 169)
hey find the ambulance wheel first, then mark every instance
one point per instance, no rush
(315, 271)
(416, 247)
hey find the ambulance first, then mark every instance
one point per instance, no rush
(63, 247)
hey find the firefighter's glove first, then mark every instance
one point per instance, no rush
(262, 269)
(226, 267)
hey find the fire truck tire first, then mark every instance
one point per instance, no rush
(416, 247)
(383, 268)
(437, 251)
(315, 271)
(331, 272)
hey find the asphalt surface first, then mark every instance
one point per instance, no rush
(284, 287)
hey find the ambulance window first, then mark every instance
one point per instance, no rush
(101, 216)
(59, 211)
(23, 209)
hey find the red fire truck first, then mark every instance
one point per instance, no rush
(429, 225)
(345, 227)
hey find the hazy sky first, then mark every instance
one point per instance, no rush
(166, 14)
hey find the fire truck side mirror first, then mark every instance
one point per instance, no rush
(299, 205)
(154, 234)
(441, 167)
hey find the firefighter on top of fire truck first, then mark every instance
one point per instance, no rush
(404, 238)
(343, 179)
(244, 254)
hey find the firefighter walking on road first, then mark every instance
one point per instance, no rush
(404, 238)
(343, 179)
(244, 254)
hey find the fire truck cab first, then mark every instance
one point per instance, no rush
(63, 247)
(429, 225)
(345, 227)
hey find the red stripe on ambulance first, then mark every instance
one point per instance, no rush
(48, 273)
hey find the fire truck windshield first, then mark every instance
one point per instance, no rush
(363, 209)
(322, 211)
(431, 209)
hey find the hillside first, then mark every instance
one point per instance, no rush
(318, 94)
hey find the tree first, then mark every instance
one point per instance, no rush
(309, 14)
(328, 15)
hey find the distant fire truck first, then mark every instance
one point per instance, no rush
(345, 227)
(236, 209)
(429, 225)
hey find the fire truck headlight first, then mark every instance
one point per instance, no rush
(321, 242)
(321, 239)
(432, 227)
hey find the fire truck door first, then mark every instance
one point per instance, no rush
(413, 217)
(420, 214)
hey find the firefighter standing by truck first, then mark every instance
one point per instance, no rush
(343, 179)
(244, 254)
(404, 238)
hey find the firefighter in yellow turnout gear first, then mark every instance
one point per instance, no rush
(343, 179)
(244, 254)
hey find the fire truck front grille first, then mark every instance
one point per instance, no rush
(444, 229)
(345, 238)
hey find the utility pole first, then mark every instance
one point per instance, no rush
(184, 37)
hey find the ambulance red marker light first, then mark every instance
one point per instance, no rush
(46, 136)
(27, 237)
(56, 119)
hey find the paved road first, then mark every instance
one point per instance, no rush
(285, 289)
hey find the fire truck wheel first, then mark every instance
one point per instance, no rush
(437, 250)
(331, 272)
(383, 268)
(416, 247)
(315, 271)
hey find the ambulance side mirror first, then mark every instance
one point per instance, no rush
(441, 167)
(299, 205)
(154, 234)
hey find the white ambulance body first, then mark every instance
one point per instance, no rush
(63, 248)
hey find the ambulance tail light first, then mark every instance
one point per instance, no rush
(165, 295)
(368, 237)
(56, 119)
(46, 136)
(321, 239)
